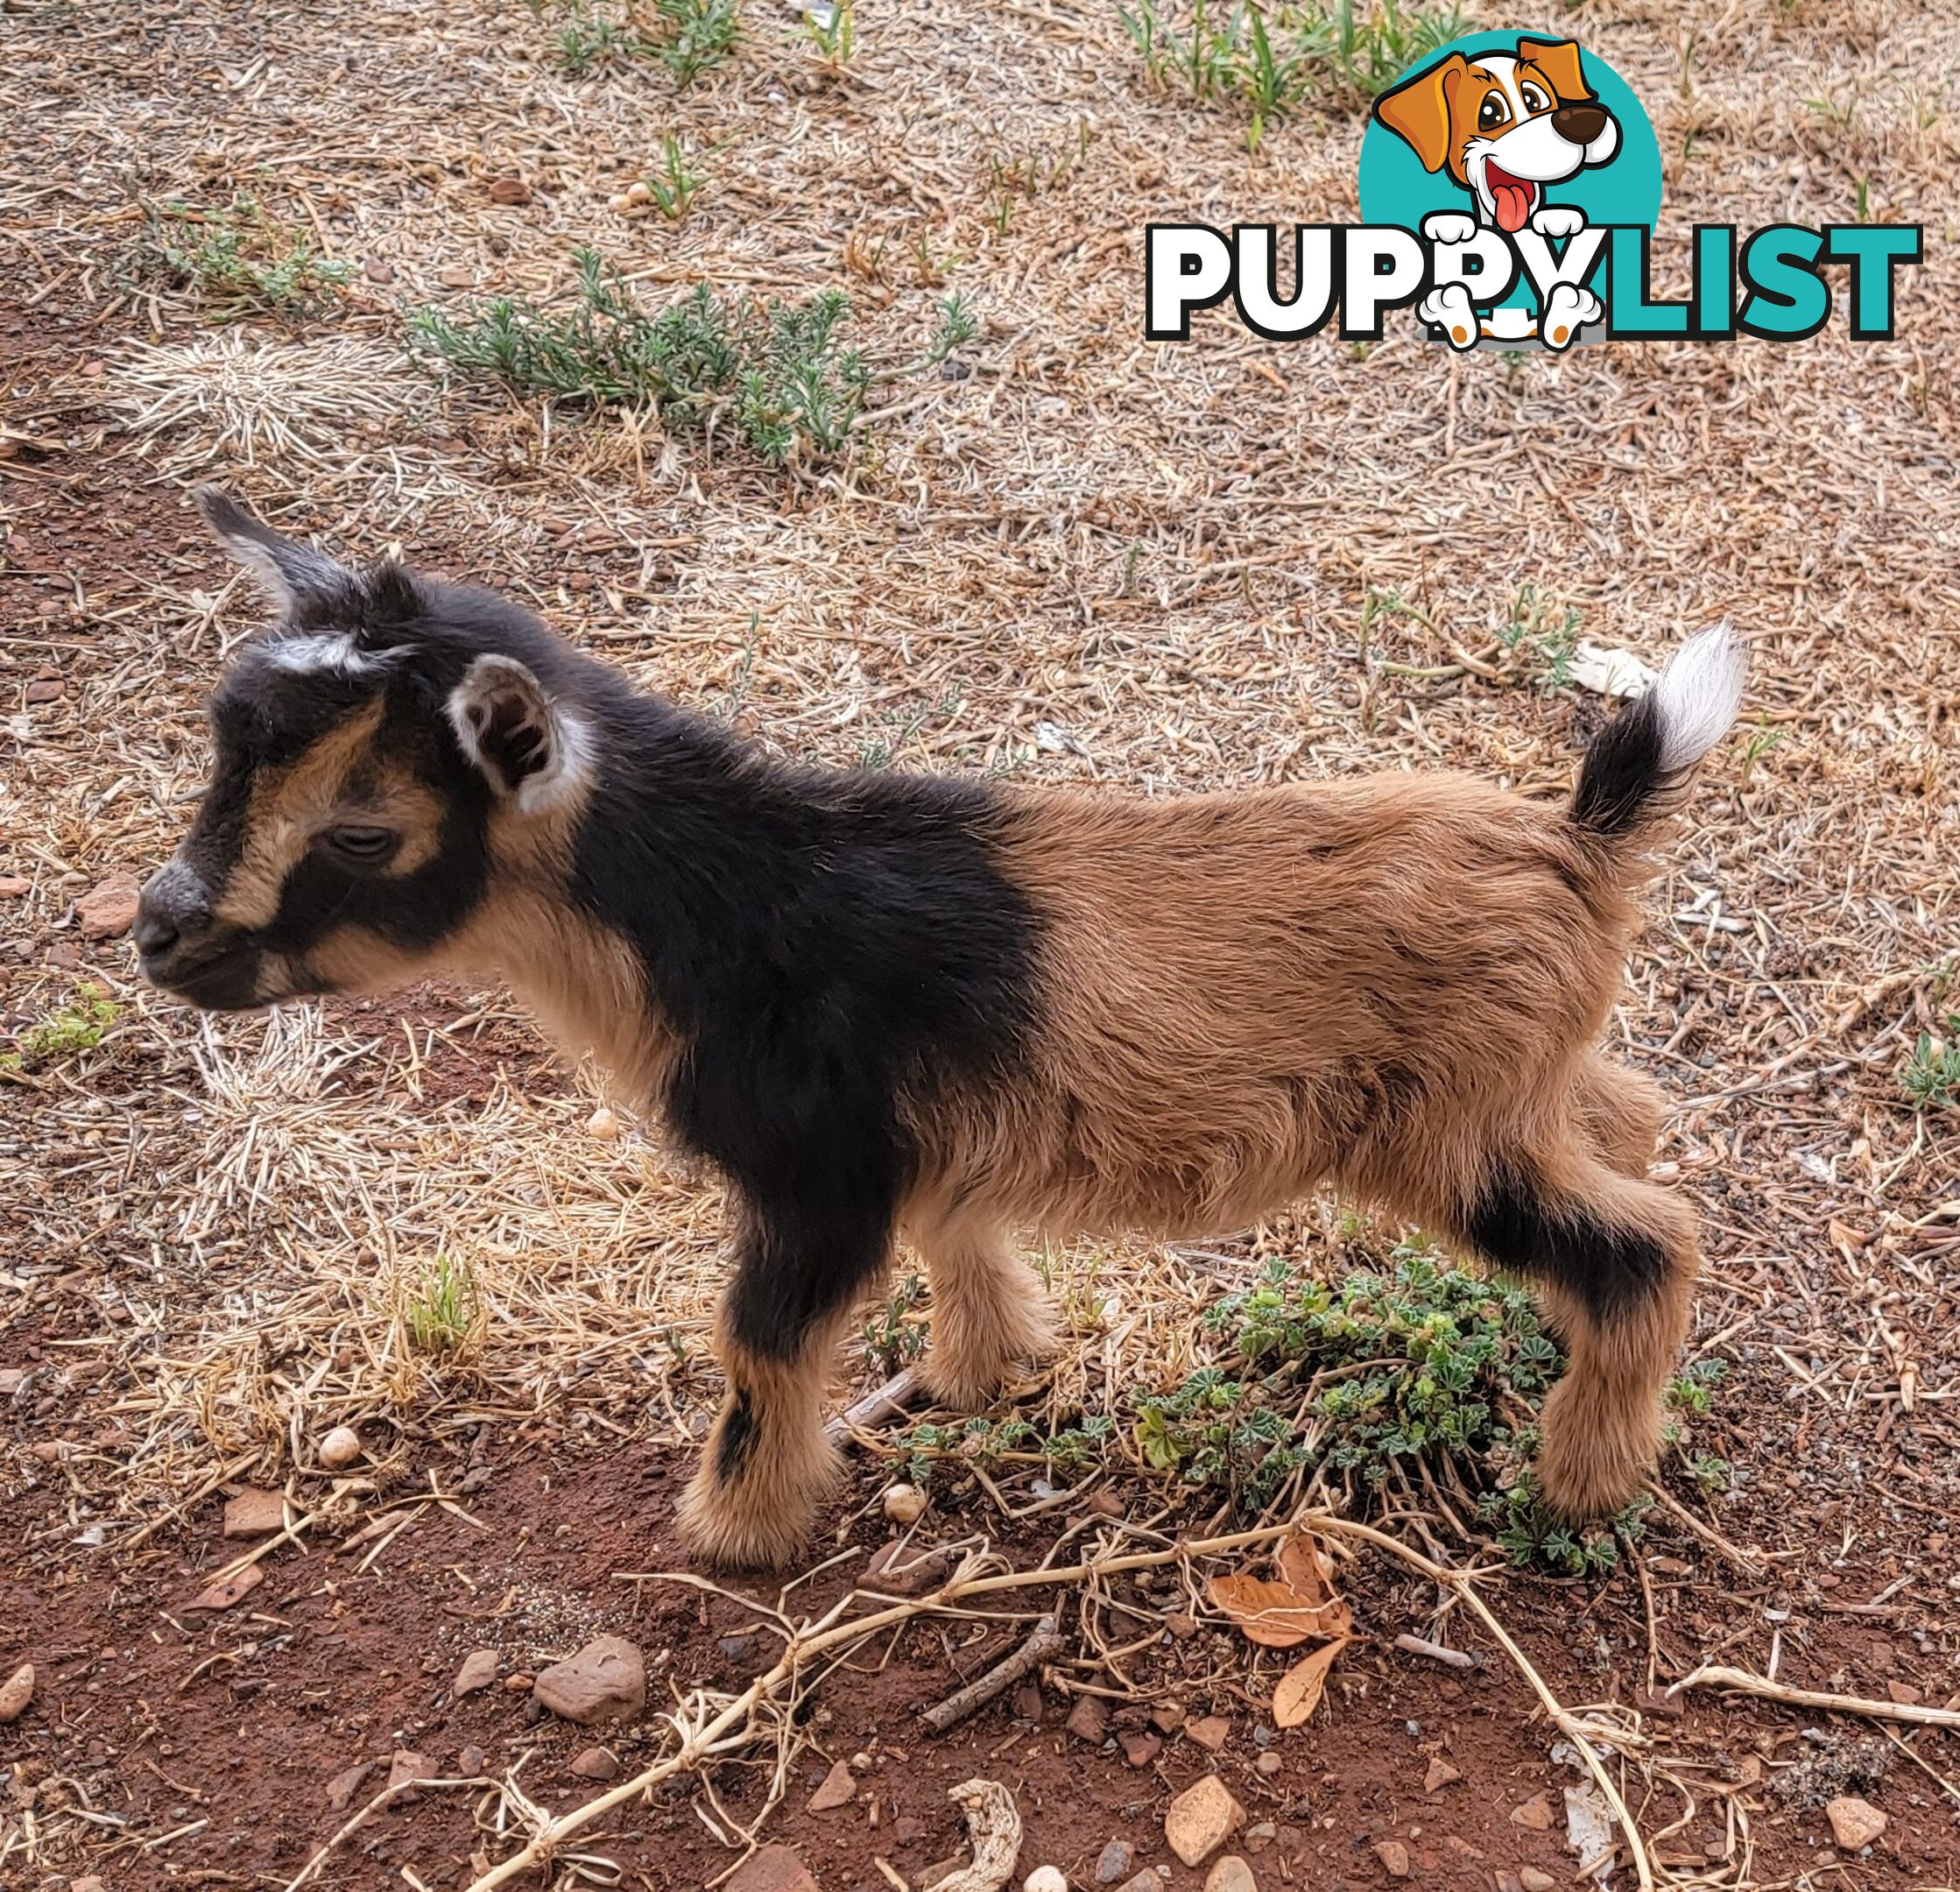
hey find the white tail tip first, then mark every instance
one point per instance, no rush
(1698, 695)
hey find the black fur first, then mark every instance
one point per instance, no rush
(1621, 773)
(737, 1440)
(1611, 1269)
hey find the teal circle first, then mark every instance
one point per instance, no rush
(1394, 187)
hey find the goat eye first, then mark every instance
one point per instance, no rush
(360, 843)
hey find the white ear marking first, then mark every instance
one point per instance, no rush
(500, 700)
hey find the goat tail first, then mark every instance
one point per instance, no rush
(1639, 764)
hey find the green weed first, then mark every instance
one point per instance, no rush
(243, 260)
(833, 31)
(687, 37)
(777, 373)
(892, 1340)
(442, 1310)
(1930, 1076)
(677, 183)
(1548, 637)
(699, 35)
(77, 1027)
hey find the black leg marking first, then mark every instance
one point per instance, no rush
(1611, 1269)
(737, 1440)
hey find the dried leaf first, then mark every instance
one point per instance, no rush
(1272, 1615)
(227, 1589)
(1300, 1689)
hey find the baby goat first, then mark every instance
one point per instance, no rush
(886, 1002)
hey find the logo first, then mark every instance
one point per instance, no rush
(1509, 190)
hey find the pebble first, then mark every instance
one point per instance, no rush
(1147, 1881)
(602, 1125)
(342, 1788)
(18, 1692)
(1202, 1818)
(469, 1762)
(478, 1671)
(407, 1768)
(904, 1504)
(773, 1869)
(1534, 1814)
(1854, 1823)
(377, 271)
(1440, 1774)
(254, 1514)
(1269, 1763)
(839, 1789)
(1046, 1878)
(596, 1764)
(1394, 1857)
(1027, 1702)
(109, 911)
(509, 189)
(1534, 1880)
(1258, 1838)
(340, 1448)
(606, 1681)
(229, 1589)
(1231, 1874)
(1141, 1747)
(1089, 1720)
(12, 887)
(45, 691)
(1210, 1733)
(1166, 1716)
(457, 277)
(1182, 1624)
(88, 1882)
(905, 1569)
(1114, 1862)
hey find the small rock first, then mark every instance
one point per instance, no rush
(108, 911)
(1210, 1733)
(1182, 1624)
(377, 271)
(1231, 1874)
(904, 1504)
(606, 1681)
(45, 691)
(737, 1649)
(602, 1125)
(839, 1790)
(1440, 1774)
(1533, 1879)
(1141, 1747)
(342, 1788)
(1046, 1878)
(773, 1869)
(457, 277)
(1114, 1862)
(1258, 1838)
(407, 1768)
(1202, 1818)
(88, 1882)
(1854, 1823)
(478, 1671)
(229, 1589)
(509, 189)
(901, 1570)
(340, 1448)
(1089, 1720)
(1904, 1693)
(519, 1684)
(12, 887)
(1027, 1702)
(18, 1692)
(469, 1762)
(596, 1764)
(1147, 1881)
(1166, 1716)
(1536, 1814)
(1269, 1763)
(1394, 1857)
(254, 1514)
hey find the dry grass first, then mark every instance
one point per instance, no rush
(1161, 566)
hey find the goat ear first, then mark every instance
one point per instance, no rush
(531, 751)
(289, 573)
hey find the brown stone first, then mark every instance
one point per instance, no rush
(1231, 1874)
(16, 1692)
(839, 1790)
(108, 911)
(1536, 1814)
(404, 1771)
(1210, 1734)
(1854, 1823)
(1202, 1818)
(342, 1788)
(1141, 1747)
(773, 1869)
(46, 692)
(1089, 1720)
(478, 1671)
(606, 1681)
(254, 1514)
(509, 189)
(1394, 1857)
(596, 1764)
(1440, 1774)
(1534, 1880)
(13, 887)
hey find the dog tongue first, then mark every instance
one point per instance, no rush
(1513, 200)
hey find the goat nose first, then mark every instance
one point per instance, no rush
(1579, 124)
(171, 904)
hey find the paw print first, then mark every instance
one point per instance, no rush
(1449, 308)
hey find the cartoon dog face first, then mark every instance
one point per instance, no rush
(1503, 126)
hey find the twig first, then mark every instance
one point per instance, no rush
(379, 1801)
(1743, 1681)
(1437, 1651)
(883, 1403)
(1046, 1642)
(1741, 1560)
